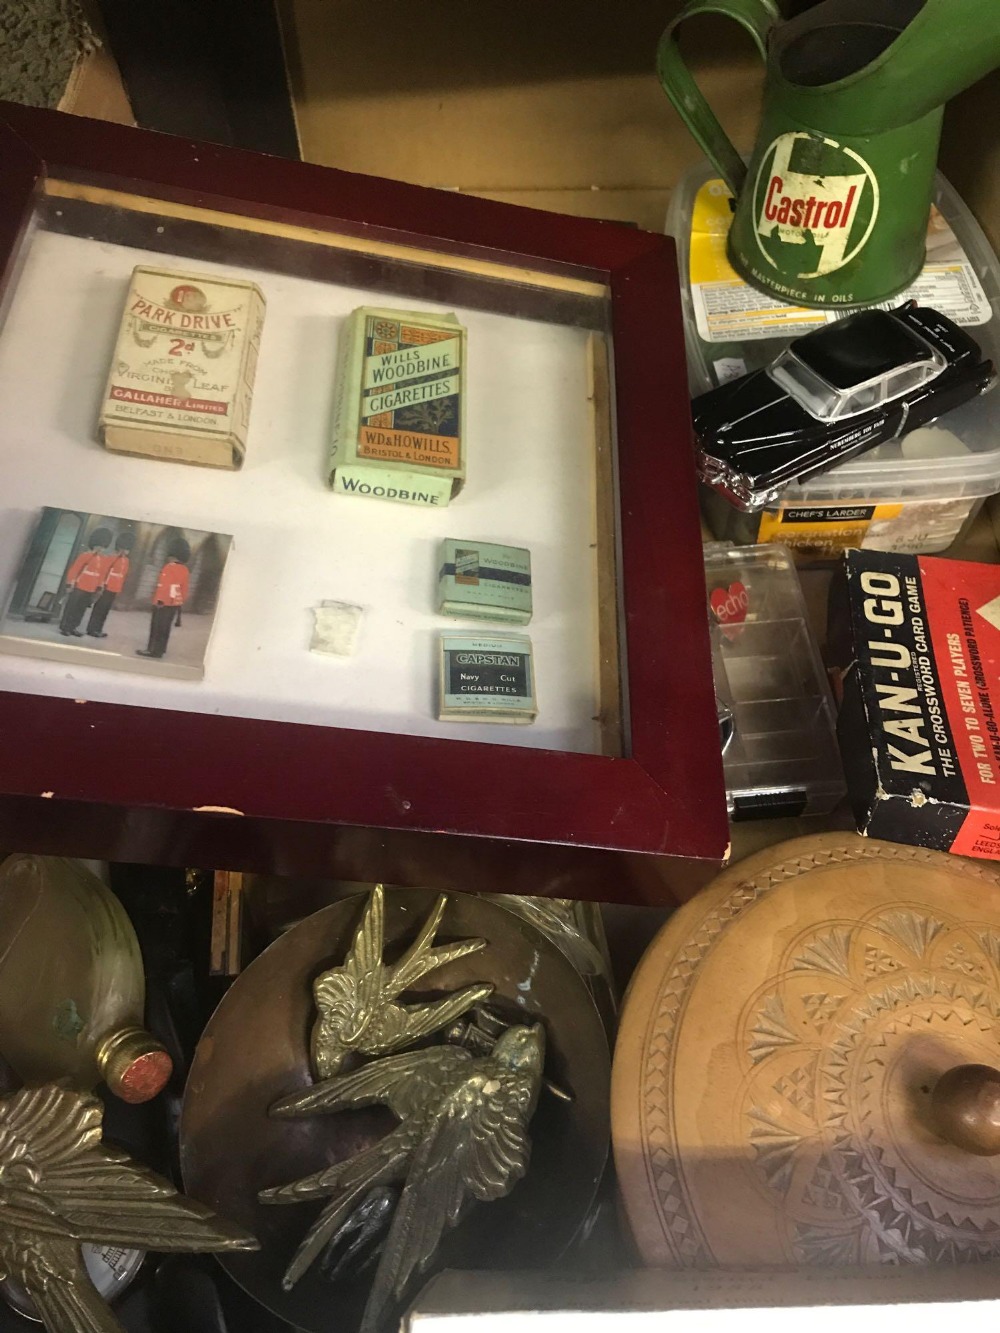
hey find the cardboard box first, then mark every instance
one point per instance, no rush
(917, 643)
(484, 581)
(486, 678)
(181, 379)
(399, 420)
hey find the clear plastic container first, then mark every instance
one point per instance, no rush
(916, 494)
(783, 758)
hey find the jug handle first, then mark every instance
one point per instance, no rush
(758, 17)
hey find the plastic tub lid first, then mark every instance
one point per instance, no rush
(958, 456)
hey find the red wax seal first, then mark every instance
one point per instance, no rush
(730, 606)
(189, 298)
(144, 1077)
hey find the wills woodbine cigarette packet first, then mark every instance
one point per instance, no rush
(399, 420)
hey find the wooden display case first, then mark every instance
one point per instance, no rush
(272, 763)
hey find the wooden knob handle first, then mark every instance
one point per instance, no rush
(966, 1107)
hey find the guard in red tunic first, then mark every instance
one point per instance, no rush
(170, 594)
(114, 580)
(83, 578)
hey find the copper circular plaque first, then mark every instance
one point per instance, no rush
(255, 1050)
(772, 1098)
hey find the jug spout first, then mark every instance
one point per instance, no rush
(874, 65)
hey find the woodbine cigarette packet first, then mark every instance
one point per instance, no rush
(486, 678)
(484, 581)
(181, 381)
(399, 419)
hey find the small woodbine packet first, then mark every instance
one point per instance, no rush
(484, 581)
(181, 381)
(399, 420)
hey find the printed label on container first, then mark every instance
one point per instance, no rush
(729, 310)
(404, 487)
(410, 394)
(467, 566)
(180, 351)
(834, 207)
(822, 532)
(486, 675)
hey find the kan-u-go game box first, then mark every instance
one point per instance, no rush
(916, 644)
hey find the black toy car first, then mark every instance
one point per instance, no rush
(832, 394)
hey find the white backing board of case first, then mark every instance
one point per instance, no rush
(296, 544)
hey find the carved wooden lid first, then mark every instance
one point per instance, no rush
(773, 1098)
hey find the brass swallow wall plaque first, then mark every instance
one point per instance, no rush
(61, 1186)
(359, 1002)
(462, 1136)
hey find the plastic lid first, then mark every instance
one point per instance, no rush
(968, 460)
(783, 756)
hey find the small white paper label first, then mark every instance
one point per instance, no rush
(729, 368)
(336, 630)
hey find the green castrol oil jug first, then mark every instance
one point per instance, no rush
(833, 207)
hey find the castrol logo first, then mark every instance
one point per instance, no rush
(815, 195)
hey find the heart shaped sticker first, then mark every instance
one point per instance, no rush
(730, 606)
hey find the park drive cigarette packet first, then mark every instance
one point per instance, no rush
(181, 380)
(486, 678)
(399, 420)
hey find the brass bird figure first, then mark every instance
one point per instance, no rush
(60, 1186)
(358, 1001)
(358, 1239)
(462, 1136)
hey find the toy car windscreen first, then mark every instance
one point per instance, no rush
(861, 348)
(805, 386)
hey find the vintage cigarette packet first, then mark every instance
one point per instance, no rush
(399, 420)
(181, 380)
(486, 678)
(484, 581)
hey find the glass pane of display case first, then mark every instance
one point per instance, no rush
(443, 488)
(268, 545)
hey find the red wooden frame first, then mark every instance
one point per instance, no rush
(667, 798)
